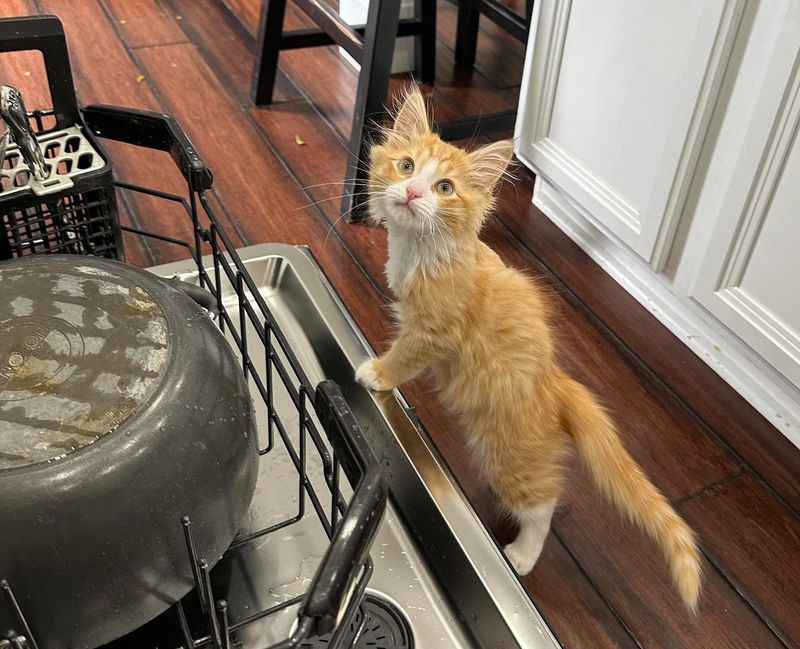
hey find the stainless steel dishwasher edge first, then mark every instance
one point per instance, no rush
(480, 586)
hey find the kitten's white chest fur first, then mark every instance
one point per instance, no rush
(410, 253)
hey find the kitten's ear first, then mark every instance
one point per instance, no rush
(412, 116)
(488, 164)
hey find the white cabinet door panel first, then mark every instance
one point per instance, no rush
(750, 278)
(772, 273)
(626, 156)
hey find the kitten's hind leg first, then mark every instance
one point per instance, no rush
(534, 522)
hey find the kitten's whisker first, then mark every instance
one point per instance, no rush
(330, 229)
(354, 207)
(321, 200)
(338, 182)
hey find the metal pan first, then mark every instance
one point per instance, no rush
(122, 410)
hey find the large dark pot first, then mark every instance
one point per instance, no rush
(122, 409)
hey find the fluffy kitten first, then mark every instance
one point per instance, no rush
(483, 329)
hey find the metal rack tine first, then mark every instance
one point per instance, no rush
(222, 612)
(18, 615)
(335, 494)
(207, 592)
(186, 523)
(303, 420)
(186, 634)
(212, 231)
(270, 408)
(242, 323)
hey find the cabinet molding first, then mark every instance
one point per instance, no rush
(769, 393)
(719, 283)
(647, 226)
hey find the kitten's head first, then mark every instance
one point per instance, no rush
(419, 182)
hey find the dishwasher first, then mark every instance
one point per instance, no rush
(428, 575)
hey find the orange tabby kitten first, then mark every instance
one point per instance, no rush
(483, 329)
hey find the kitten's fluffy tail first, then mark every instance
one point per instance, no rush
(622, 481)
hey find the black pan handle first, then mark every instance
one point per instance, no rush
(200, 295)
(153, 131)
(335, 579)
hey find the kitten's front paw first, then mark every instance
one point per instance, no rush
(520, 558)
(369, 375)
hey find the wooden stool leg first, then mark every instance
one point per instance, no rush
(466, 34)
(268, 41)
(373, 84)
(425, 45)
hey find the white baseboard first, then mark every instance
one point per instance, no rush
(758, 383)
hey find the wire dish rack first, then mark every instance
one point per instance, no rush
(323, 440)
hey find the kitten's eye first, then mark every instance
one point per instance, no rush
(445, 187)
(406, 165)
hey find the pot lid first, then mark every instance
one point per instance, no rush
(82, 347)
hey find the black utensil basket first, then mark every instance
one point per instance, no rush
(73, 210)
(83, 219)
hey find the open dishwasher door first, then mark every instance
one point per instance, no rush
(439, 580)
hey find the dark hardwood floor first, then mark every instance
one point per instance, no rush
(599, 583)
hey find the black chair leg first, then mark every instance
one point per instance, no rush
(268, 41)
(528, 13)
(425, 43)
(466, 34)
(373, 84)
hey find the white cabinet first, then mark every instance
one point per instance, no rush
(664, 136)
(750, 277)
(620, 96)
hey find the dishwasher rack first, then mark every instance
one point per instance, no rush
(330, 605)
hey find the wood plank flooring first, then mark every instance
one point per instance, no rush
(599, 583)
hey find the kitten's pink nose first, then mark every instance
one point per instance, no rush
(412, 193)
